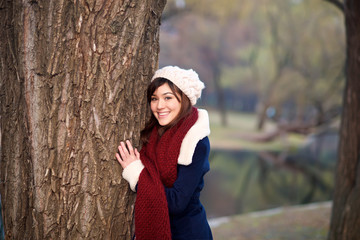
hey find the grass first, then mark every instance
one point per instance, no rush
(241, 127)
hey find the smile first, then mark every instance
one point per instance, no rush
(163, 114)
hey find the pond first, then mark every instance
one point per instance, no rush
(244, 181)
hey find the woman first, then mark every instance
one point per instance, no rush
(168, 172)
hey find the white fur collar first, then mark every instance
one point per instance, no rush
(197, 132)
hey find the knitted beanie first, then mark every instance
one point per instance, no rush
(187, 80)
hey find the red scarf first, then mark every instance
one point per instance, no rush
(159, 156)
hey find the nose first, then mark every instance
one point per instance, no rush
(160, 104)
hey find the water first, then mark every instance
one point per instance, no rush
(243, 181)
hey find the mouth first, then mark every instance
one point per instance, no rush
(163, 114)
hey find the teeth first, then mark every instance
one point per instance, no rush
(162, 114)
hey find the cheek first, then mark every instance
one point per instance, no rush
(177, 107)
(152, 107)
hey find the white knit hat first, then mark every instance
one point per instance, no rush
(187, 80)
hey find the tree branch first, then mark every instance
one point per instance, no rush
(337, 4)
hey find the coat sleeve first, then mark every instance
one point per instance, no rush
(189, 179)
(132, 172)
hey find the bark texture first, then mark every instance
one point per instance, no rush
(345, 220)
(73, 81)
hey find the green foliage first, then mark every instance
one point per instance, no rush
(282, 51)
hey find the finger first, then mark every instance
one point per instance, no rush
(118, 158)
(130, 147)
(122, 163)
(123, 151)
(137, 154)
(120, 150)
(124, 148)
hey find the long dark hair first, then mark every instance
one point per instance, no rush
(185, 109)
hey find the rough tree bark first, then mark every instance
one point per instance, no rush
(345, 220)
(73, 78)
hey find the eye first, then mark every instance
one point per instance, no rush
(153, 99)
(168, 98)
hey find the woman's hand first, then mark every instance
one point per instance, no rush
(127, 154)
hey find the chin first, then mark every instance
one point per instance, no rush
(163, 123)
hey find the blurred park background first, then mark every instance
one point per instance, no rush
(274, 76)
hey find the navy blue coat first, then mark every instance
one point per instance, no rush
(187, 215)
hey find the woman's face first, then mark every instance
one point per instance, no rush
(164, 105)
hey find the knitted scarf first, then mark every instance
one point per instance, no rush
(159, 156)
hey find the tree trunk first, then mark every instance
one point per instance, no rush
(345, 220)
(73, 82)
(261, 115)
(221, 102)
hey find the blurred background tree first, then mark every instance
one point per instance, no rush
(248, 53)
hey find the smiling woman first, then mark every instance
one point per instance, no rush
(168, 173)
(165, 104)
